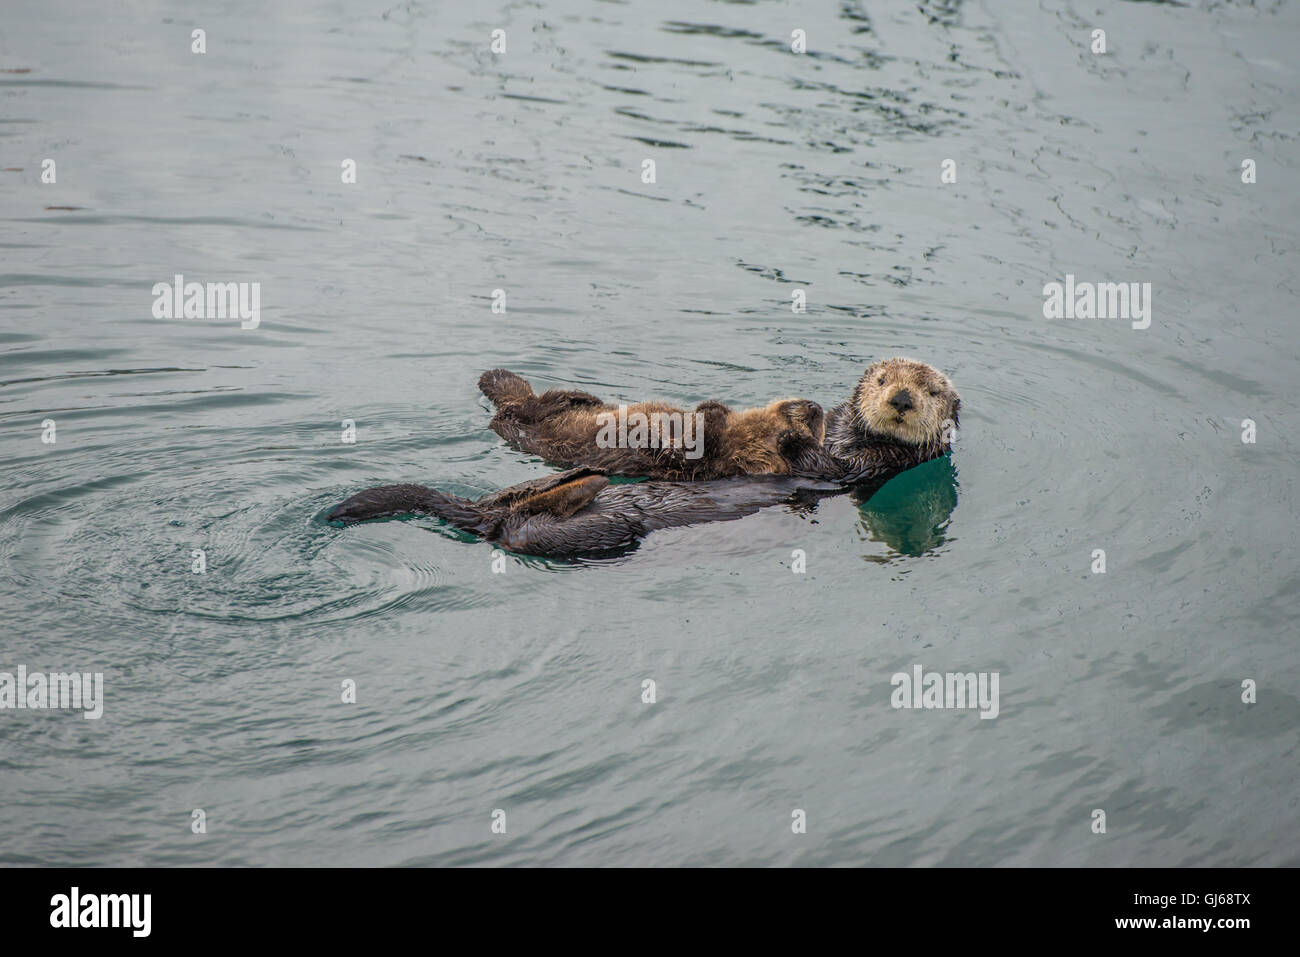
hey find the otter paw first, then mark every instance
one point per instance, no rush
(806, 413)
(793, 443)
(712, 429)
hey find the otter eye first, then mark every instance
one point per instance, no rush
(934, 391)
(880, 381)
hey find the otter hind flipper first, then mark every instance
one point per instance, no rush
(565, 499)
(514, 494)
(504, 388)
(553, 402)
(385, 501)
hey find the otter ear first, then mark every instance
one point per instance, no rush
(871, 372)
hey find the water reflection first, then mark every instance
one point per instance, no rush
(911, 513)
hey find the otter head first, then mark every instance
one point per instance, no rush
(802, 415)
(767, 439)
(906, 401)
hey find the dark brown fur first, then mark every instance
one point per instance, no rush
(563, 425)
(578, 512)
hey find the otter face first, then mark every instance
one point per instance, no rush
(907, 401)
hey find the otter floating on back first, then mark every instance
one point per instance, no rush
(902, 413)
(578, 512)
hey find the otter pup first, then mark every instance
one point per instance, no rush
(578, 512)
(902, 413)
(652, 439)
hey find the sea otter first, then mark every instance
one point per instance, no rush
(577, 513)
(902, 413)
(652, 439)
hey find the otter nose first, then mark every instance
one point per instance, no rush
(902, 401)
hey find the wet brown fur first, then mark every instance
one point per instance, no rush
(578, 512)
(562, 426)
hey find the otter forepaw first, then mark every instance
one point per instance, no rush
(795, 444)
(712, 429)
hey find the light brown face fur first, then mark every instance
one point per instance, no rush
(907, 401)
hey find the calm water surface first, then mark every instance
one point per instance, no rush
(522, 172)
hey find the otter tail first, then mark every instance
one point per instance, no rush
(386, 501)
(504, 388)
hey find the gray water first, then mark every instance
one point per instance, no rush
(521, 689)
